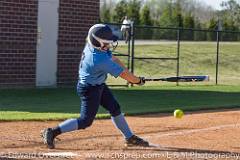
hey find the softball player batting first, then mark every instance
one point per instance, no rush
(96, 62)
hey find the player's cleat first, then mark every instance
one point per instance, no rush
(48, 137)
(136, 141)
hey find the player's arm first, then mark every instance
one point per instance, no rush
(128, 76)
(115, 59)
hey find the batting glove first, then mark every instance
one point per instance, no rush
(141, 81)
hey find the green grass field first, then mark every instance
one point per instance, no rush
(62, 103)
(196, 58)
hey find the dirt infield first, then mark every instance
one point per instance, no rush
(202, 135)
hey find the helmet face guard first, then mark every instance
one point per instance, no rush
(114, 45)
(100, 36)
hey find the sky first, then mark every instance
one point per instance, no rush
(214, 3)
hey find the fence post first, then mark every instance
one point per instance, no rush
(217, 57)
(129, 48)
(178, 53)
(132, 54)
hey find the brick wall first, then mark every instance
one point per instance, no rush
(18, 39)
(18, 36)
(75, 18)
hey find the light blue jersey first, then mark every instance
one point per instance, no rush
(95, 65)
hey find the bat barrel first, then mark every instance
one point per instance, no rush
(181, 79)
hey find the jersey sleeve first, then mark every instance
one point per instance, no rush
(111, 67)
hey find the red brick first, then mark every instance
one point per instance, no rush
(18, 27)
(18, 39)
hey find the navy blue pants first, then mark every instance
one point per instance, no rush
(91, 98)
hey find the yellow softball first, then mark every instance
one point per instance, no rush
(178, 113)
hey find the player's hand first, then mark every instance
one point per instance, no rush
(141, 81)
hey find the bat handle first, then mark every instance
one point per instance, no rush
(153, 79)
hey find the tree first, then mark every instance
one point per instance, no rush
(171, 17)
(145, 18)
(230, 19)
(229, 25)
(188, 22)
(120, 11)
(231, 13)
(134, 7)
(199, 35)
(175, 13)
(105, 14)
(212, 26)
(165, 19)
(177, 17)
(156, 8)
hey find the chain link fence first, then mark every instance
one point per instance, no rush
(156, 52)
